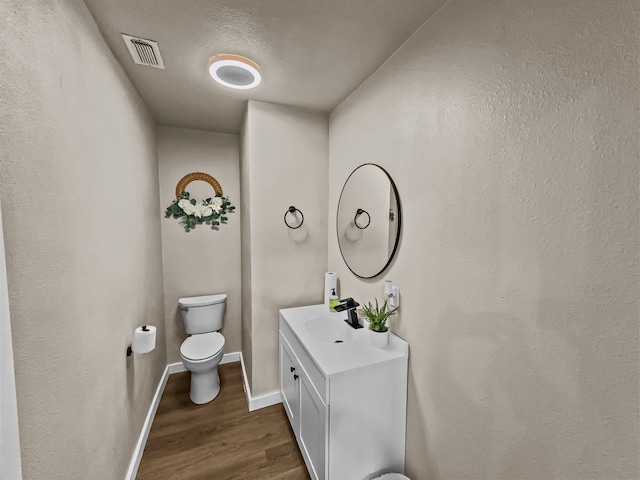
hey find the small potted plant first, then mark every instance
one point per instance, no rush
(377, 317)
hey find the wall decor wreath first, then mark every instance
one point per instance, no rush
(211, 211)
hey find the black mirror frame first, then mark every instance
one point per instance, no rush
(398, 219)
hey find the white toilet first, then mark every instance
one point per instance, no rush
(392, 476)
(202, 351)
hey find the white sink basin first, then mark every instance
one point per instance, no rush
(318, 330)
(330, 330)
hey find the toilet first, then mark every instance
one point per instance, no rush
(202, 351)
(392, 476)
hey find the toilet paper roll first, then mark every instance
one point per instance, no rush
(144, 339)
(330, 282)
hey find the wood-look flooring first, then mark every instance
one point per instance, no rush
(221, 440)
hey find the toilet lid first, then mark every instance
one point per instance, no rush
(202, 346)
(202, 300)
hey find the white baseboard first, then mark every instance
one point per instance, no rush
(176, 368)
(231, 357)
(146, 427)
(254, 403)
(266, 400)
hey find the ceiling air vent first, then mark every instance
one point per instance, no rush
(143, 52)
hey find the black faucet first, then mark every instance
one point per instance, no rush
(349, 304)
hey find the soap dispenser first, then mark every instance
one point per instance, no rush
(333, 300)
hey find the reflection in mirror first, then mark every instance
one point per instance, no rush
(355, 219)
(368, 220)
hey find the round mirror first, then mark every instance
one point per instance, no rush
(368, 220)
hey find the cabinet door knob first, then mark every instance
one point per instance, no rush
(292, 369)
(295, 377)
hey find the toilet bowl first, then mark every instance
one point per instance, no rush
(392, 476)
(202, 352)
(201, 355)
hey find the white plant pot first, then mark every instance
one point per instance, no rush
(379, 339)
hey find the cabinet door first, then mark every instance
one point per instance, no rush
(313, 428)
(289, 385)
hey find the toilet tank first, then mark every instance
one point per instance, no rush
(202, 314)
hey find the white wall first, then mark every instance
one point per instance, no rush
(511, 130)
(10, 458)
(245, 243)
(79, 191)
(202, 261)
(285, 159)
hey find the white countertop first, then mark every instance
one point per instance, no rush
(334, 358)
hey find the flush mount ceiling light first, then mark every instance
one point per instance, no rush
(234, 71)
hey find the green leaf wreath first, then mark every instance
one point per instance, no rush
(211, 211)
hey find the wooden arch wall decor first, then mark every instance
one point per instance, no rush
(191, 177)
(211, 211)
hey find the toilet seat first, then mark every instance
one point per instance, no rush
(202, 346)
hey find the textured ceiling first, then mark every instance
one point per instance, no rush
(312, 53)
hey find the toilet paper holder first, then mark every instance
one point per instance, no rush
(129, 349)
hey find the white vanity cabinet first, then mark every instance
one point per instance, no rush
(346, 401)
(307, 412)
